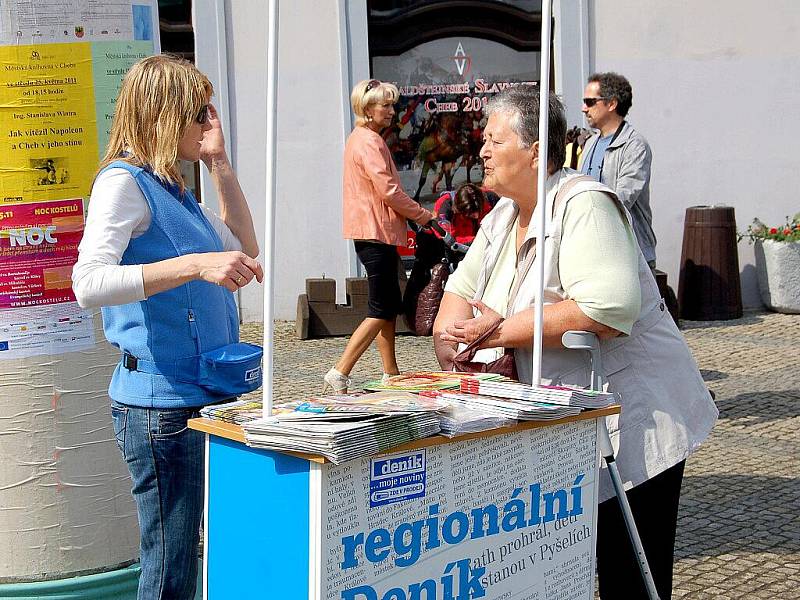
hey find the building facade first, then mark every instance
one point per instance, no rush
(712, 93)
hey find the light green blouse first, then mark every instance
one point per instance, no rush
(598, 264)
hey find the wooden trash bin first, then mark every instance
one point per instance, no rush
(709, 288)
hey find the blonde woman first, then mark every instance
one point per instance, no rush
(375, 210)
(163, 268)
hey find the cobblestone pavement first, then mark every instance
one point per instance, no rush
(739, 525)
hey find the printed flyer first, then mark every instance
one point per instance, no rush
(64, 21)
(48, 134)
(110, 62)
(42, 330)
(38, 246)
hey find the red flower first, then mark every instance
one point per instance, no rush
(787, 231)
(773, 231)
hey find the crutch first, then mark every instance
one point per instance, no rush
(584, 340)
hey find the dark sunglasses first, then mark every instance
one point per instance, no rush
(202, 116)
(590, 102)
(372, 84)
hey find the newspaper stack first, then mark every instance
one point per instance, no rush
(458, 420)
(549, 394)
(339, 427)
(339, 437)
(469, 413)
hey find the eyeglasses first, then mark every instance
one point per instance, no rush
(590, 102)
(373, 83)
(202, 116)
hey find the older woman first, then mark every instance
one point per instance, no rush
(163, 268)
(596, 279)
(375, 212)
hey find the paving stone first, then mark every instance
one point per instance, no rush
(739, 523)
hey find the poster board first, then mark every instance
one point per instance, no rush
(62, 65)
(444, 85)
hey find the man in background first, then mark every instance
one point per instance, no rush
(618, 155)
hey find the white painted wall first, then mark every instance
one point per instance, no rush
(571, 63)
(311, 136)
(716, 94)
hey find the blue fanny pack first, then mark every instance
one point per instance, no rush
(231, 370)
(234, 369)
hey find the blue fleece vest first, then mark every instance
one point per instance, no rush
(167, 331)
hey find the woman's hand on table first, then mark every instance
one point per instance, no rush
(468, 330)
(232, 270)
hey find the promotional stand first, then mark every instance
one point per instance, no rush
(507, 513)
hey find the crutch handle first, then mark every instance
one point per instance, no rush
(586, 340)
(580, 340)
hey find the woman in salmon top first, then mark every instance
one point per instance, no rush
(375, 209)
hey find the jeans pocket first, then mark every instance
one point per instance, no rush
(172, 422)
(119, 417)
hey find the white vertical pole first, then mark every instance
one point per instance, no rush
(269, 224)
(346, 61)
(544, 93)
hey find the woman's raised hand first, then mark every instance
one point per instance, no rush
(232, 269)
(213, 145)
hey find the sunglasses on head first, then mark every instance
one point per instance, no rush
(202, 116)
(590, 102)
(372, 84)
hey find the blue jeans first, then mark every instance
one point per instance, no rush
(166, 462)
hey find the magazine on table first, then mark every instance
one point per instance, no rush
(236, 412)
(550, 394)
(417, 381)
(374, 402)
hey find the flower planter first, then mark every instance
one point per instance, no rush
(778, 269)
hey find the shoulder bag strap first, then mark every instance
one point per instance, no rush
(562, 193)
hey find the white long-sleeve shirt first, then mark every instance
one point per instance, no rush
(118, 213)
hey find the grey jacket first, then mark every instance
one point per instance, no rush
(626, 170)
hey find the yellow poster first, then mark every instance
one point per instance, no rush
(48, 124)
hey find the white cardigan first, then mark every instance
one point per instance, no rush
(118, 212)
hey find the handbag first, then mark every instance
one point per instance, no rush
(429, 299)
(465, 362)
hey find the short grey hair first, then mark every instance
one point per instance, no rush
(521, 104)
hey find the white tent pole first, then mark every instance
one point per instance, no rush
(544, 93)
(269, 224)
